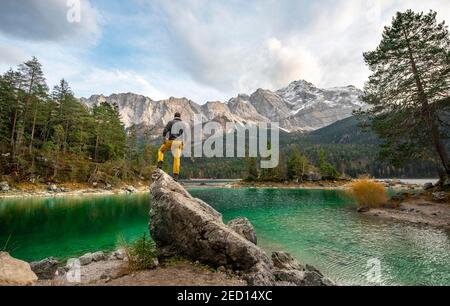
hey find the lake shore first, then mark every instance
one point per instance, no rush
(113, 271)
(393, 184)
(71, 189)
(419, 210)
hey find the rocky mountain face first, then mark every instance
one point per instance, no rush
(299, 107)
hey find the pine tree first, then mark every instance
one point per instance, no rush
(327, 170)
(298, 165)
(409, 84)
(34, 87)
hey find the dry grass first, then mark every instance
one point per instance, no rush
(368, 193)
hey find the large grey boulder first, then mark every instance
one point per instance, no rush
(245, 228)
(45, 269)
(184, 226)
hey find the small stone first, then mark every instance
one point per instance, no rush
(363, 209)
(291, 276)
(52, 188)
(71, 263)
(222, 269)
(86, 259)
(98, 256)
(130, 189)
(439, 196)
(428, 186)
(244, 227)
(313, 269)
(398, 198)
(327, 282)
(285, 261)
(4, 187)
(119, 254)
(45, 269)
(312, 279)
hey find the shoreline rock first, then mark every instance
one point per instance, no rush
(14, 272)
(183, 226)
(46, 268)
(4, 187)
(243, 227)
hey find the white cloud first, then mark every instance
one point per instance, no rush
(203, 50)
(47, 20)
(237, 47)
(117, 81)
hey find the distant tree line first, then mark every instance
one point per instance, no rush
(49, 136)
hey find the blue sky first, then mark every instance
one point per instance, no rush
(204, 50)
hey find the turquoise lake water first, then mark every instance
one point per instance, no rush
(318, 227)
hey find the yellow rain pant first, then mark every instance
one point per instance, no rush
(177, 149)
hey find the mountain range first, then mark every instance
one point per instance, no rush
(299, 107)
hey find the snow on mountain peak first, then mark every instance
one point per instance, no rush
(299, 106)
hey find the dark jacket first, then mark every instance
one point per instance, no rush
(173, 135)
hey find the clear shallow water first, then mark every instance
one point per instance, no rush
(319, 227)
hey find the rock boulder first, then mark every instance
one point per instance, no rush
(45, 269)
(14, 272)
(243, 227)
(184, 226)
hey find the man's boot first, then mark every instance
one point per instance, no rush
(160, 165)
(176, 177)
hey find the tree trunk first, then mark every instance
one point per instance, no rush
(55, 167)
(21, 132)
(33, 130)
(428, 113)
(66, 131)
(16, 112)
(96, 146)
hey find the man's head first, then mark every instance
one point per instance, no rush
(178, 115)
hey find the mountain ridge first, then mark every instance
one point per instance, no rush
(299, 107)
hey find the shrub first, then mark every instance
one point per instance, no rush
(368, 193)
(142, 253)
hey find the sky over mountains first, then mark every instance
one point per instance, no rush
(204, 50)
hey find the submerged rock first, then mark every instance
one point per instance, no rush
(184, 226)
(45, 269)
(243, 227)
(14, 272)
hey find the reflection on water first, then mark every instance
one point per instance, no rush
(63, 227)
(319, 227)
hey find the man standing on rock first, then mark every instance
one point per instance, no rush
(173, 134)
